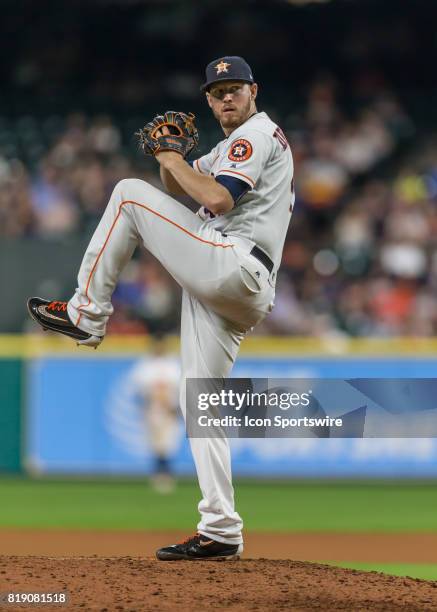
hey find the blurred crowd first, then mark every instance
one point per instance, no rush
(360, 257)
(360, 254)
(69, 186)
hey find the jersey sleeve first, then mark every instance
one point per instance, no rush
(246, 156)
(236, 187)
(204, 164)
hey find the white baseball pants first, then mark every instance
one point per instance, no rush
(226, 291)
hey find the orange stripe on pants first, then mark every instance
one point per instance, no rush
(154, 212)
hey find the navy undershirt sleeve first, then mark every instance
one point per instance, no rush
(236, 187)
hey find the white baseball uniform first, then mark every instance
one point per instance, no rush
(157, 380)
(226, 290)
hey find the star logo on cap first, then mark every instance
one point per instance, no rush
(222, 67)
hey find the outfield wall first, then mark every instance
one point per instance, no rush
(10, 413)
(82, 415)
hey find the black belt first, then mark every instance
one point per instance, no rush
(262, 257)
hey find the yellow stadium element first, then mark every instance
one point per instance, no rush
(34, 345)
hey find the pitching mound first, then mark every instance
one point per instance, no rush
(131, 583)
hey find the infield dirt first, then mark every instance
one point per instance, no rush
(138, 584)
(316, 546)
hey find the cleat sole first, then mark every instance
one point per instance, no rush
(173, 557)
(91, 341)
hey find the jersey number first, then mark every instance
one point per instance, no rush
(279, 134)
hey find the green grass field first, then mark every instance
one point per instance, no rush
(276, 506)
(414, 570)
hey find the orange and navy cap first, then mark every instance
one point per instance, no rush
(228, 68)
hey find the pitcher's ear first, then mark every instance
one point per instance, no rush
(253, 90)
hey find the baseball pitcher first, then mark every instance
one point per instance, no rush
(225, 258)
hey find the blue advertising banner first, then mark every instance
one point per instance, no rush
(88, 416)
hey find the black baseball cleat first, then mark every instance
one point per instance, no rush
(54, 316)
(199, 547)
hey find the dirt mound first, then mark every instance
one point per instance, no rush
(131, 583)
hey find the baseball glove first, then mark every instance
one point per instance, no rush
(180, 136)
